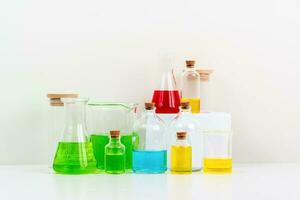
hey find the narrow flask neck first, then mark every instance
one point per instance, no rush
(75, 122)
(75, 113)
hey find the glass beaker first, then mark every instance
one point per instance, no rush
(217, 151)
(167, 98)
(55, 122)
(106, 116)
(190, 86)
(74, 153)
(149, 143)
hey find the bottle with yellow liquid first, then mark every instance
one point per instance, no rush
(217, 152)
(181, 155)
(190, 86)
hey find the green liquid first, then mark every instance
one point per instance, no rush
(101, 140)
(115, 163)
(74, 158)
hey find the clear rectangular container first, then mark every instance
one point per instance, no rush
(217, 151)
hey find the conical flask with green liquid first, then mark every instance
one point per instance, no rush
(74, 153)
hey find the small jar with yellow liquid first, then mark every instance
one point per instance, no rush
(217, 152)
(181, 155)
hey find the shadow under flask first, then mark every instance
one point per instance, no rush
(74, 153)
(149, 143)
(114, 161)
(181, 155)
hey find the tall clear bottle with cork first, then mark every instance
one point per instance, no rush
(190, 86)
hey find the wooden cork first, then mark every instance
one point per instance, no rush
(185, 105)
(114, 133)
(149, 106)
(190, 63)
(55, 99)
(181, 135)
(204, 74)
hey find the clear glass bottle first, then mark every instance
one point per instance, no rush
(167, 98)
(190, 86)
(74, 153)
(181, 155)
(217, 151)
(149, 143)
(106, 116)
(114, 161)
(185, 122)
(55, 122)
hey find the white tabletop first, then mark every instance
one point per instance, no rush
(248, 181)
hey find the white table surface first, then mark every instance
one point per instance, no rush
(248, 181)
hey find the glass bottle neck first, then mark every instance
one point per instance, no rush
(149, 112)
(185, 111)
(190, 69)
(182, 142)
(114, 140)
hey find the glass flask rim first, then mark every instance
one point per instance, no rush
(74, 100)
(127, 105)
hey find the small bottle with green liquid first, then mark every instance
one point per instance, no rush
(181, 155)
(114, 161)
(74, 153)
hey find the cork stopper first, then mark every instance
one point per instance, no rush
(204, 74)
(185, 105)
(55, 99)
(114, 133)
(190, 63)
(149, 106)
(181, 135)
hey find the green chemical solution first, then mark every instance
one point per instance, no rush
(101, 140)
(115, 163)
(74, 158)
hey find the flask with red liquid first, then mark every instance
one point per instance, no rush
(167, 98)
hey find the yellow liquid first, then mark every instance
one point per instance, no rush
(181, 159)
(217, 165)
(194, 103)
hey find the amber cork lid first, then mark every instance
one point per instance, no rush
(55, 99)
(181, 135)
(149, 106)
(114, 133)
(190, 63)
(185, 105)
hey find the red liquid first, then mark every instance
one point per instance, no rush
(166, 101)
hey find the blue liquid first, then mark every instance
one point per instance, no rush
(149, 162)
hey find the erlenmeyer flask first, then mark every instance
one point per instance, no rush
(167, 99)
(74, 154)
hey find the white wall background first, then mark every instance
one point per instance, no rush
(114, 50)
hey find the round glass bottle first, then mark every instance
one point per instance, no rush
(149, 143)
(185, 122)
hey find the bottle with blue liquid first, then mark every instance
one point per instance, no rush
(149, 143)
